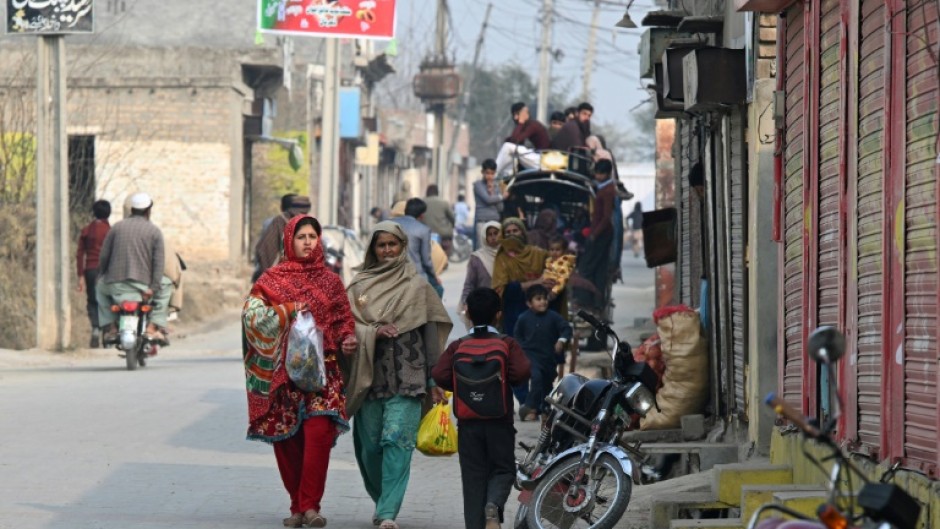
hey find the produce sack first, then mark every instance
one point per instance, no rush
(685, 379)
(436, 434)
(304, 358)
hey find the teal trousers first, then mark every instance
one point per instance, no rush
(384, 435)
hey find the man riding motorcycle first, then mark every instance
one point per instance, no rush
(131, 268)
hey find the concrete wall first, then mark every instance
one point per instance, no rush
(788, 450)
(167, 122)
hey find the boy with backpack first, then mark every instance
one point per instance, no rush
(480, 369)
(542, 333)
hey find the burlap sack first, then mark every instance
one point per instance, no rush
(685, 381)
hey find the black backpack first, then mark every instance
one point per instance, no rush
(481, 388)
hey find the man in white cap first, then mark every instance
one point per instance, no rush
(130, 267)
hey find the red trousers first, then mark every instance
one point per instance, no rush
(303, 460)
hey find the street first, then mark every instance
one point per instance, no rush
(90, 445)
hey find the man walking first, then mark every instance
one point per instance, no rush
(131, 267)
(419, 240)
(86, 257)
(440, 218)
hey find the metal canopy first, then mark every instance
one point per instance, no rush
(663, 19)
(702, 24)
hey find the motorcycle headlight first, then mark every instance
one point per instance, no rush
(640, 399)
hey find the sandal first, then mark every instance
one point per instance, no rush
(314, 519)
(388, 524)
(296, 520)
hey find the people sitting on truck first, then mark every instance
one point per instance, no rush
(526, 129)
(571, 113)
(574, 132)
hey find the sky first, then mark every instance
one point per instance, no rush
(514, 35)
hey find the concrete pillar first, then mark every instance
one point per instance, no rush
(762, 268)
(53, 318)
(327, 186)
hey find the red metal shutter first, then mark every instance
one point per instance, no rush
(830, 117)
(869, 208)
(920, 244)
(792, 372)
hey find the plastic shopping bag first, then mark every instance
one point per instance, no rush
(437, 435)
(304, 359)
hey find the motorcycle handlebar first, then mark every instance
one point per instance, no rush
(588, 317)
(788, 412)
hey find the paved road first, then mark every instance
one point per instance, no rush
(86, 444)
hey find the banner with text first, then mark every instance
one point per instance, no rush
(49, 17)
(360, 19)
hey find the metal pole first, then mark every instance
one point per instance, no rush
(440, 51)
(465, 100)
(545, 63)
(591, 53)
(53, 321)
(329, 139)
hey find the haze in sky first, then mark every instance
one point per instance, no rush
(514, 35)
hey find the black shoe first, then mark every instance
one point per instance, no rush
(95, 339)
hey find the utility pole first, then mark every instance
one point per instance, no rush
(591, 53)
(465, 100)
(329, 137)
(439, 165)
(545, 64)
(53, 322)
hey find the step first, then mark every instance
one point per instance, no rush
(753, 496)
(652, 436)
(700, 455)
(663, 510)
(729, 479)
(802, 501)
(722, 523)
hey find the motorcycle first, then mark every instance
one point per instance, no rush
(461, 248)
(131, 339)
(882, 505)
(577, 475)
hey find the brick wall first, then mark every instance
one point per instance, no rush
(766, 46)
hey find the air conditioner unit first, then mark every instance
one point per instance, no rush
(715, 78)
(653, 43)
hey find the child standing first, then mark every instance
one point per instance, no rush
(485, 445)
(558, 265)
(542, 333)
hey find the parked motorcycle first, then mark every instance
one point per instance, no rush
(461, 248)
(131, 339)
(577, 475)
(878, 504)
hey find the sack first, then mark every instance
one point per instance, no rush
(481, 390)
(436, 434)
(685, 380)
(304, 358)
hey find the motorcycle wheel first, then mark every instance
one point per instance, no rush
(608, 489)
(520, 522)
(131, 358)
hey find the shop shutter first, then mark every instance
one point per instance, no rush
(682, 186)
(830, 183)
(869, 208)
(738, 243)
(793, 210)
(920, 244)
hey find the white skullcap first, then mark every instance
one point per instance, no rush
(141, 201)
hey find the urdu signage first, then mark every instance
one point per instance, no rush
(49, 17)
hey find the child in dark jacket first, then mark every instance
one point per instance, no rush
(542, 333)
(485, 446)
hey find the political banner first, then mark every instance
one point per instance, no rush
(359, 19)
(49, 17)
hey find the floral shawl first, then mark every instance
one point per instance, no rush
(516, 261)
(276, 408)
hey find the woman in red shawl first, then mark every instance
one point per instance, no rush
(302, 426)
